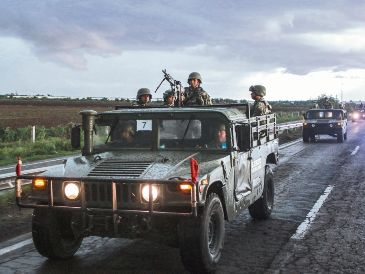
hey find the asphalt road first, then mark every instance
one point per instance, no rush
(5, 170)
(316, 227)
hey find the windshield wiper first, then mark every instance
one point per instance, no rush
(112, 129)
(186, 130)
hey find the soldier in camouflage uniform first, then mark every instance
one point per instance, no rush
(260, 106)
(169, 98)
(315, 105)
(144, 97)
(195, 94)
(327, 104)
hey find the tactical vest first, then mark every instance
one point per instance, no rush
(197, 96)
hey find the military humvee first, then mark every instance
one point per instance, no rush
(331, 122)
(175, 182)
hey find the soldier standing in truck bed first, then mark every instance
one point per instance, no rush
(327, 104)
(143, 97)
(169, 98)
(195, 94)
(260, 106)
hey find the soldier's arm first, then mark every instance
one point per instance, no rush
(260, 109)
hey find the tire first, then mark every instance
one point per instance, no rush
(305, 136)
(345, 136)
(340, 137)
(52, 234)
(201, 240)
(313, 138)
(262, 208)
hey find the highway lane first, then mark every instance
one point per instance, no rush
(10, 169)
(334, 242)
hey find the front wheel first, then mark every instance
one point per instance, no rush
(201, 240)
(340, 137)
(53, 235)
(305, 136)
(262, 208)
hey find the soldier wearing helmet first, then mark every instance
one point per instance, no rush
(144, 97)
(195, 94)
(124, 134)
(327, 104)
(260, 106)
(169, 98)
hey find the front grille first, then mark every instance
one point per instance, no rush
(118, 168)
(99, 194)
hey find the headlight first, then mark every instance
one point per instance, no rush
(331, 125)
(146, 193)
(72, 190)
(355, 115)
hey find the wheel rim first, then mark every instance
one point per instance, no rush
(213, 227)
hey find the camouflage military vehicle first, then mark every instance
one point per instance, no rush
(171, 182)
(331, 122)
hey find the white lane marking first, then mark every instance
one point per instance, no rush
(304, 226)
(15, 246)
(355, 151)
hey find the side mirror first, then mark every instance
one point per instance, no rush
(76, 137)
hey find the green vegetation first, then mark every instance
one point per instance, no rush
(50, 142)
(28, 151)
(8, 197)
(283, 117)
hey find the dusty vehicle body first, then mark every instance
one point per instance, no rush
(331, 122)
(171, 184)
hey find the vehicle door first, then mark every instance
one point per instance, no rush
(241, 158)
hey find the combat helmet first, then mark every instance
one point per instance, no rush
(221, 127)
(258, 90)
(195, 75)
(143, 91)
(168, 93)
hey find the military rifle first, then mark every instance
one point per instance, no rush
(176, 87)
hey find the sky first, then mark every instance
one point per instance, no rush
(297, 49)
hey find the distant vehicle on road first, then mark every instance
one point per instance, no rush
(357, 114)
(331, 122)
(168, 174)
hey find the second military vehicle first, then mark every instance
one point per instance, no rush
(170, 174)
(331, 122)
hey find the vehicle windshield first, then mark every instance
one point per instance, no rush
(164, 134)
(325, 114)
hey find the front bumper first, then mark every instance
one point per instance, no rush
(323, 129)
(110, 197)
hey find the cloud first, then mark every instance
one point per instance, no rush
(228, 42)
(298, 36)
